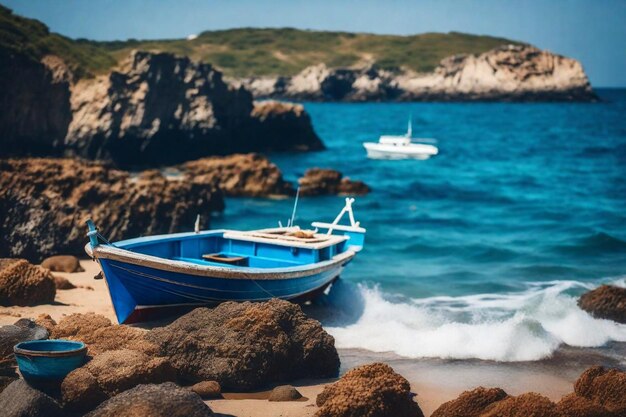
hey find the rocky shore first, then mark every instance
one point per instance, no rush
(235, 360)
(508, 73)
(155, 109)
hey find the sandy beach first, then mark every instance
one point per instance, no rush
(434, 381)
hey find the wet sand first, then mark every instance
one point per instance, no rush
(435, 381)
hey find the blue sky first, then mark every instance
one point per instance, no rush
(593, 31)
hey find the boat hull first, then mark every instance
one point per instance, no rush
(413, 151)
(141, 291)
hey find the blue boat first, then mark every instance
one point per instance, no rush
(153, 275)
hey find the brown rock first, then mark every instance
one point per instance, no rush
(574, 406)
(110, 373)
(24, 284)
(163, 400)
(207, 389)
(5, 381)
(247, 345)
(604, 387)
(470, 403)
(62, 263)
(605, 302)
(45, 321)
(285, 393)
(318, 181)
(239, 175)
(525, 405)
(61, 283)
(101, 335)
(373, 390)
(44, 204)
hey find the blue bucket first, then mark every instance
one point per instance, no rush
(49, 359)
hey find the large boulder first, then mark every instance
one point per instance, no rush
(250, 175)
(100, 334)
(162, 400)
(373, 390)
(526, 405)
(319, 181)
(24, 284)
(44, 204)
(605, 302)
(247, 345)
(12, 334)
(21, 400)
(470, 403)
(604, 387)
(111, 373)
(573, 405)
(159, 109)
(62, 263)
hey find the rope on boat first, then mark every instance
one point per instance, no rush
(263, 289)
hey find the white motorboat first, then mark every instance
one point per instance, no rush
(401, 147)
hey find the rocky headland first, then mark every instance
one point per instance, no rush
(507, 73)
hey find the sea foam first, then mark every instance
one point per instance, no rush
(524, 326)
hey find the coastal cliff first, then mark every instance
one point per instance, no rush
(507, 73)
(161, 109)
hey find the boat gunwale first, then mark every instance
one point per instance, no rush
(209, 271)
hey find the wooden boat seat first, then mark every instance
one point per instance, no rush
(224, 259)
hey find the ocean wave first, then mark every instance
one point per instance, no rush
(527, 325)
(596, 243)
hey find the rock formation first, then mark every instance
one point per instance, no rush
(100, 334)
(24, 284)
(207, 389)
(21, 400)
(373, 390)
(34, 104)
(10, 335)
(250, 175)
(163, 400)
(62, 263)
(45, 202)
(508, 73)
(284, 393)
(111, 373)
(604, 387)
(470, 403)
(160, 109)
(318, 181)
(247, 345)
(605, 302)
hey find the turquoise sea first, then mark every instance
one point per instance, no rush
(481, 251)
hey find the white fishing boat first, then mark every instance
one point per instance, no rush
(401, 147)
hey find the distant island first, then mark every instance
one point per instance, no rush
(297, 64)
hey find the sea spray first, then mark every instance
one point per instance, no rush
(522, 326)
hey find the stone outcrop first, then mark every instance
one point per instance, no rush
(100, 334)
(12, 334)
(284, 393)
(34, 104)
(318, 181)
(247, 345)
(21, 400)
(238, 175)
(110, 373)
(604, 387)
(160, 109)
(470, 403)
(24, 284)
(44, 204)
(162, 400)
(373, 390)
(605, 302)
(62, 263)
(508, 73)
